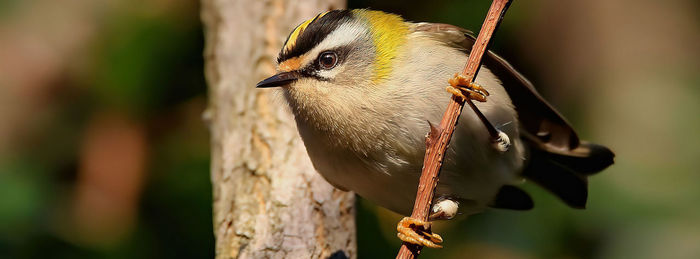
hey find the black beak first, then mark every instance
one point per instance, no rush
(280, 79)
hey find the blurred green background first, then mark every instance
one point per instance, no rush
(103, 153)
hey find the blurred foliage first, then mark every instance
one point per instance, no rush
(79, 77)
(144, 67)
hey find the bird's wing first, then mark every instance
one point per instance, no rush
(559, 160)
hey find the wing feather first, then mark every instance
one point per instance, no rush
(559, 160)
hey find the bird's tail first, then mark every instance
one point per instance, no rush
(565, 173)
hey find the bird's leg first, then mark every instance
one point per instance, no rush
(444, 208)
(462, 87)
(418, 232)
(459, 86)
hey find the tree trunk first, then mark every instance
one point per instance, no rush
(269, 202)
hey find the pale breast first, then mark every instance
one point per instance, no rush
(387, 167)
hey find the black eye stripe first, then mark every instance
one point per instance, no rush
(313, 74)
(341, 52)
(311, 70)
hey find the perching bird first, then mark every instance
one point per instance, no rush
(364, 84)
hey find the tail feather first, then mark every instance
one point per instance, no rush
(565, 174)
(587, 159)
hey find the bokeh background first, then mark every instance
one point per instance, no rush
(103, 152)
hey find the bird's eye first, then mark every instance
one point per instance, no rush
(327, 60)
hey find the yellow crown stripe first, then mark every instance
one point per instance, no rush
(389, 32)
(292, 40)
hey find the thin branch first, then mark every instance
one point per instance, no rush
(439, 138)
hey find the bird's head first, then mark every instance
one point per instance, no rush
(335, 64)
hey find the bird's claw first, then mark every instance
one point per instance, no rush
(417, 232)
(462, 87)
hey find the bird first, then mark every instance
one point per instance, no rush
(363, 86)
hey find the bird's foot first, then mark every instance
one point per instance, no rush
(462, 87)
(417, 232)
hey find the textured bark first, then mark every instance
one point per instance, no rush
(269, 202)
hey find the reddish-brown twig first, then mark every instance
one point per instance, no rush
(439, 138)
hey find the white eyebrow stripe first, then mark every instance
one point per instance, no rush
(345, 34)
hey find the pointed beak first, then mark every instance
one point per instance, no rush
(281, 79)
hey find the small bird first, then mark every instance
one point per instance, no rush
(363, 85)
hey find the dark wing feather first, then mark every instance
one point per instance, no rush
(559, 160)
